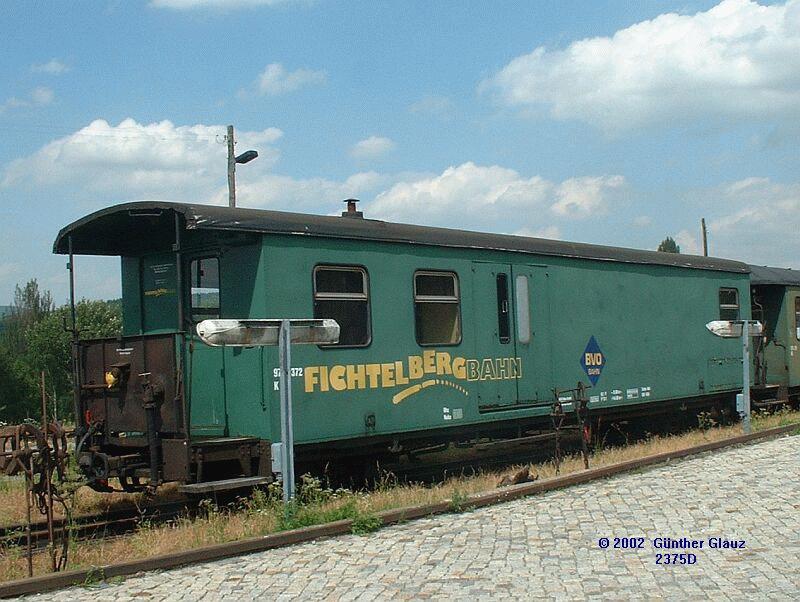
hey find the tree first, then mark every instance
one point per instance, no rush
(35, 340)
(30, 306)
(18, 390)
(49, 343)
(668, 245)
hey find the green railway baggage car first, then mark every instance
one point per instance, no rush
(446, 335)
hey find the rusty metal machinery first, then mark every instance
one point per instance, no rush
(580, 401)
(40, 454)
(30, 450)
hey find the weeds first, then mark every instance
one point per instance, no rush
(385, 481)
(766, 419)
(705, 421)
(365, 523)
(94, 577)
(296, 515)
(458, 502)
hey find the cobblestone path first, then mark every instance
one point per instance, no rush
(542, 547)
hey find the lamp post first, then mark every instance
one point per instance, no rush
(251, 333)
(731, 329)
(245, 157)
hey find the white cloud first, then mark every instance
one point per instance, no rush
(642, 221)
(372, 147)
(737, 60)
(585, 196)
(440, 106)
(493, 198)
(133, 159)
(312, 195)
(276, 80)
(688, 243)
(51, 67)
(552, 232)
(218, 4)
(36, 98)
(753, 220)
(42, 96)
(103, 163)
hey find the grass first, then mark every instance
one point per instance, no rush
(263, 513)
(88, 501)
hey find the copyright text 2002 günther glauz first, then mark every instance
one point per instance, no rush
(669, 550)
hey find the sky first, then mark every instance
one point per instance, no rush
(608, 122)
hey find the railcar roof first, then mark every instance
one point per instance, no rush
(128, 228)
(762, 274)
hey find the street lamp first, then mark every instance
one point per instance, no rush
(731, 329)
(245, 157)
(283, 333)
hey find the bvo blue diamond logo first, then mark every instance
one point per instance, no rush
(593, 360)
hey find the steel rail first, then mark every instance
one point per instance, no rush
(90, 525)
(258, 544)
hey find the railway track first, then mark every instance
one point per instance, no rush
(94, 526)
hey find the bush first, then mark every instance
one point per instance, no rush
(18, 388)
(34, 340)
(365, 523)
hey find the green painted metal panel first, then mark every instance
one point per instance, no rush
(205, 369)
(205, 374)
(536, 383)
(245, 396)
(159, 293)
(649, 325)
(485, 334)
(131, 296)
(149, 294)
(246, 379)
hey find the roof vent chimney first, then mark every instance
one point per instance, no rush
(351, 209)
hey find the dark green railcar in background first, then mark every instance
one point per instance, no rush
(445, 336)
(776, 303)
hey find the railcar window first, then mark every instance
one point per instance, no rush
(797, 318)
(728, 304)
(437, 314)
(342, 293)
(204, 282)
(523, 311)
(503, 325)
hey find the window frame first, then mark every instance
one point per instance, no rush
(367, 296)
(196, 259)
(438, 299)
(503, 314)
(728, 306)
